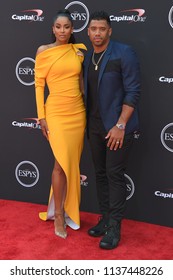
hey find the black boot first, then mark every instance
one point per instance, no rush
(100, 228)
(112, 236)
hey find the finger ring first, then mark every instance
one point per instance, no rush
(117, 142)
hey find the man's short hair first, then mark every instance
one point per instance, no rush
(100, 15)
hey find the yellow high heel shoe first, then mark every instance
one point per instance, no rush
(60, 226)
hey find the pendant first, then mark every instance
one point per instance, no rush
(96, 67)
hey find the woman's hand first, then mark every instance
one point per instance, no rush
(44, 128)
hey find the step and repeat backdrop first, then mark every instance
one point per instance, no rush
(26, 160)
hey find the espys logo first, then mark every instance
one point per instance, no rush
(31, 123)
(80, 15)
(25, 71)
(130, 187)
(167, 137)
(170, 17)
(134, 15)
(27, 174)
(29, 15)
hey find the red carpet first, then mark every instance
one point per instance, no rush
(24, 237)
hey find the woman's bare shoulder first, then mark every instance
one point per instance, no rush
(43, 48)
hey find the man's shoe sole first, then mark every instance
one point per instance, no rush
(96, 234)
(106, 246)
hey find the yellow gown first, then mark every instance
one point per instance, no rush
(59, 67)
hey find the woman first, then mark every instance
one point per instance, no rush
(62, 119)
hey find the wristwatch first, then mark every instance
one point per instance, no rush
(120, 126)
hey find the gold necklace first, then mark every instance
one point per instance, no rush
(93, 60)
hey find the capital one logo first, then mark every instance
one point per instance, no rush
(164, 79)
(29, 15)
(166, 137)
(170, 17)
(27, 174)
(30, 123)
(165, 194)
(130, 187)
(80, 15)
(132, 15)
(25, 71)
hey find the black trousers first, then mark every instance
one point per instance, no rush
(110, 167)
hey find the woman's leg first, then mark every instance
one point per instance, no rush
(59, 185)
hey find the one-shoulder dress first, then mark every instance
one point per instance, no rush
(59, 67)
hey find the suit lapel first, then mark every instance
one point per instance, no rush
(104, 61)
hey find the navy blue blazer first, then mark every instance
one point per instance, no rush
(118, 84)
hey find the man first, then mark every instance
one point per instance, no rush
(112, 87)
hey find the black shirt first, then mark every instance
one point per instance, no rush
(93, 102)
